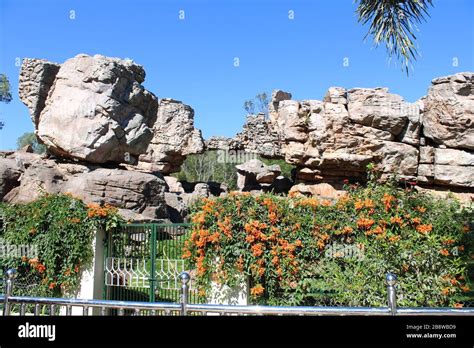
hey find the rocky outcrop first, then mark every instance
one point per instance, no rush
(322, 190)
(9, 176)
(95, 110)
(257, 136)
(218, 143)
(449, 111)
(254, 175)
(430, 140)
(140, 192)
(139, 196)
(174, 137)
(36, 78)
(96, 120)
(108, 138)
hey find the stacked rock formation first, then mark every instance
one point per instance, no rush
(430, 141)
(108, 139)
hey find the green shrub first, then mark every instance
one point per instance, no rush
(61, 227)
(301, 251)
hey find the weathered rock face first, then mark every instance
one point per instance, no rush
(257, 136)
(174, 137)
(322, 190)
(340, 136)
(449, 111)
(139, 196)
(140, 192)
(9, 176)
(36, 79)
(254, 174)
(430, 140)
(218, 143)
(96, 110)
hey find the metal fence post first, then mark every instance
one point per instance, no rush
(185, 277)
(153, 263)
(11, 275)
(392, 292)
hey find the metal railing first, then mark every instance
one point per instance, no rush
(184, 308)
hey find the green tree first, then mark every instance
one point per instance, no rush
(393, 22)
(5, 94)
(207, 167)
(258, 104)
(30, 139)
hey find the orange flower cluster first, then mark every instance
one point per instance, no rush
(444, 252)
(396, 220)
(378, 231)
(421, 209)
(321, 243)
(307, 202)
(199, 218)
(225, 227)
(387, 200)
(75, 220)
(257, 249)
(37, 265)
(365, 223)
(448, 241)
(257, 290)
(394, 239)
(424, 229)
(95, 210)
(366, 203)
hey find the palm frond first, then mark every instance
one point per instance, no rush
(393, 22)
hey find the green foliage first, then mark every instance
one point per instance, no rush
(61, 227)
(30, 139)
(300, 251)
(286, 168)
(211, 166)
(394, 24)
(207, 167)
(259, 104)
(5, 93)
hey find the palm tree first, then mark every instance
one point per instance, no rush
(393, 22)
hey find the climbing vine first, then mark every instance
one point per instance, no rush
(304, 251)
(51, 240)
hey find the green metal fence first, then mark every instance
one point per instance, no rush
(143, 263)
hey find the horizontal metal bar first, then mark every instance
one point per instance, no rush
(269, 310)
(96, 303)
(239, 309)
(435, 311)
(284, 310)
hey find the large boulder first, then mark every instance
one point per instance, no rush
(174, 137)
(96, 109)
(448, 118)
(140, 192)
(252, 174)
(9, 176)
(38, 178)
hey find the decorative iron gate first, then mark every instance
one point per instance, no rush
(143, 263)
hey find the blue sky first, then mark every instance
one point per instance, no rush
(193, 59)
